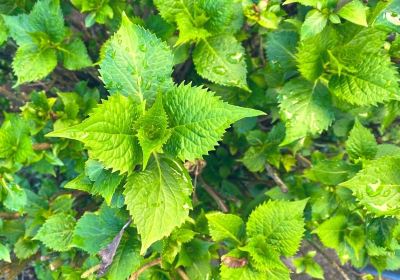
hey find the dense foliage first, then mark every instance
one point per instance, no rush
(198, 139)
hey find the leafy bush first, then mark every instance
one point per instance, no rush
(137, 171)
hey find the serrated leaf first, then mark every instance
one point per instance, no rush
(33, 63)
(376, 186)
(108, 133)
(75, 55)
(281, 48)
(46, 16)
(19, 28)
(4, 253)
(16, 198)
(158, 199)
(355, 12)
(15, 142)
(220, 59)
(94, 231)
(170, 8)
(136, 63)
(331, 231)
(56, 232)
(280, 222)
(127, 258)
(313, 24)
(374, 80)
(104, 181)
(25, 247)
(197, 120)
(225, 226)
(312, 53)
(153, 130)
(188, 32)
(331, 172)
(306, 108)
(361, 142)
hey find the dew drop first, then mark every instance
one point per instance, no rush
(234, 58)
(220, 70)
(142, 47)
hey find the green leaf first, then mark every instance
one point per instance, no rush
(313, 24)
(16, 199)
(188, 32)
(104, 181)
(153, 130)
(225, 226)
(19, 28)
(312, 53)
(32, 63)
(376, 186)
(220, 59)
(4, 253)
(280, 223)
(355, 12)
(127, 259)
(108, 133)
(24, 248)
(331, 172)
(198, 120)
(46, 16)
(75, 55)
(169, 9)
(136, 63)
(281, 48)
(158, 199)
(306, 108)
(363, 74)
(94, 231)
(56, 232)
(3, 31)
(361, 142)
(331, 231)
(15, 142)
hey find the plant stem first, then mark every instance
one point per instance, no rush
(182, 274)
(221, 204)
(136, 274)
(274, 175)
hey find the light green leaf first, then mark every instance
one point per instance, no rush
(4, 253)
(198, 120)
(136, 63)
(306, 109)
(127, 259)
(16, 198)
(220, 59)
(15, 142)
(19, 28)
(25, 247)
(313, 24)
(108, 133)
(56, 232)
(46, 16)
(158, 199)
(32, 63)
(331, 231)
(104, 181)
(331, 172)
(225, 226)
(376, 186)
(169, 9)
(312, 53)
(373, 80)
(355, 12)
(75, 55)
(94, 231)
(188, 32)
(280, 223)
(361, 142)
(153, 130)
